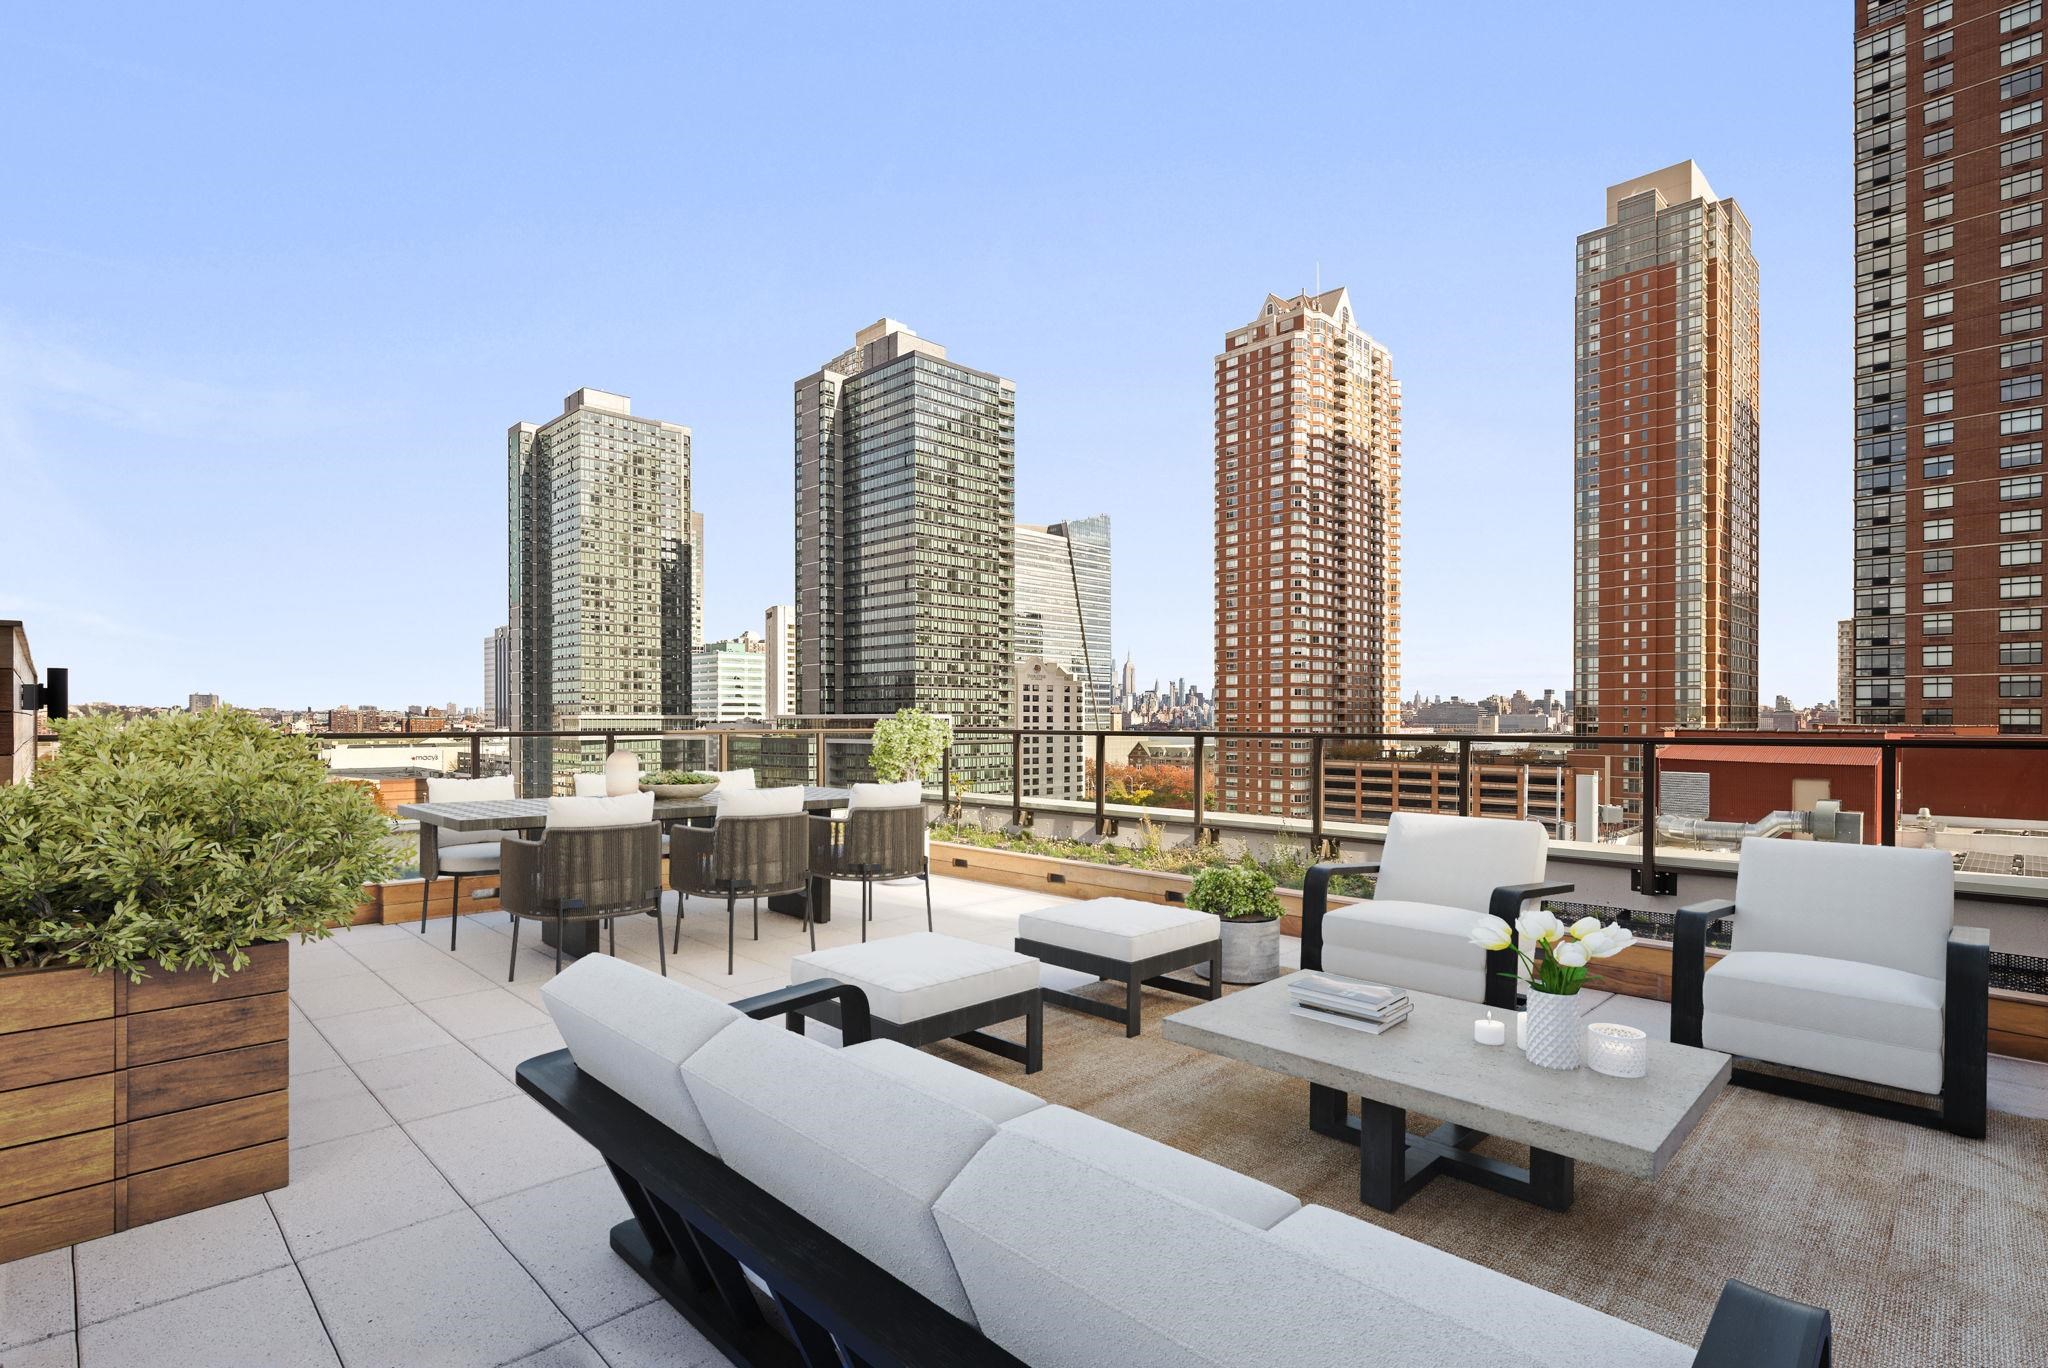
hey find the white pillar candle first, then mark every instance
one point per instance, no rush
(1487, 1031)
(1521, 1030)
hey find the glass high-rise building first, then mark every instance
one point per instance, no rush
(1664, 496)
(1063, 607)
(599, 581)
(905, 510)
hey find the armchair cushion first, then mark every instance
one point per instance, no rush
(591, 786)
(631, 1030)
(1415, 945)
(729, 780)
(1835, 1016)
(1456, 861)
(1879, 904)
(495, 789)
(627, 809)
(909, 793)
(471, 857)
(753, 802)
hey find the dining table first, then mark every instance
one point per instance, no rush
(528, 815)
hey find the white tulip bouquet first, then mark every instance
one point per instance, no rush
(1558, 962)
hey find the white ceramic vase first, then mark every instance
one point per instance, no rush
(1552, 1037)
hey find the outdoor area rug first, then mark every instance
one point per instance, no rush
(1926, 1248)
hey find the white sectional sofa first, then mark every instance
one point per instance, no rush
(898, 1209)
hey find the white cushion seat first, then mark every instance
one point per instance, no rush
(1844, 1017)
(1121, 929)
(625, 809)
(909, 978)
(474, 857)
(501, 788)
(1416, 945)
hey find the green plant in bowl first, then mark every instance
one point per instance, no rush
(679, 784)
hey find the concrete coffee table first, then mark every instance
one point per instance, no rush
(1430, 1063)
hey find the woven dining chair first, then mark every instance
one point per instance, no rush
(577, 874)
(756, 857)
(869, 846)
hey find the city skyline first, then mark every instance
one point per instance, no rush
(95, 373)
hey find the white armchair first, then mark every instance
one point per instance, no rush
(1844, 960)
(1436, 874)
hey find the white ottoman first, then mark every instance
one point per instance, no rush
(1133, 942)
(925, 987)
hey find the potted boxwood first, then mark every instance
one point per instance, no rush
(148, 879)
(1241, 896)
(910, 745)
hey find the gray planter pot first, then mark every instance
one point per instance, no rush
(1251, 951)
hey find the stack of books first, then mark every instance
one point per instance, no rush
(1368, 1007)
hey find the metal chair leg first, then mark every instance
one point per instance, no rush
(561, 934)
(512, 968)
(810, 926)
(454, 910)
(927, 877)
(865, 886)
(757, 919)
(426, 897)
(681, 898)
(660, 941)
(731, 918)
(611, 932)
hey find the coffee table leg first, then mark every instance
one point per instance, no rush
(1329, 1113)
(1551, 1179)
(1383, 1179)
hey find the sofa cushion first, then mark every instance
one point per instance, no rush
(1141, 1159)
(1555, 1331)
(1837, 1016)
(1879, 904)
(860, 1148)
(991, 1098)
(1070, 1261)
(1456, 861)
(1422, 946)
(1121, 929)
(908, 978)
(625, 809)
(630, 1029)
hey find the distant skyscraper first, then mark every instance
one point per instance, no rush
(696, 579)
(728, 681)
(1308, 537)
(501, 678)
(1049, 698)
(1950, 409)
(1063, 612)
(1845, 666)
(599, 578)
(1130, 687)
(1665, 461)
(780, 631)
(905, 497)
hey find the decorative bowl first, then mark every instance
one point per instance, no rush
(682, 792)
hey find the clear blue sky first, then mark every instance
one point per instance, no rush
(274, 281)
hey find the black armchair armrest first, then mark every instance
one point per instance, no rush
(1752, 1328)
(1504, 966)
(855, 1024)
(1689, 966)
(1315, 901)
(1966, 1030)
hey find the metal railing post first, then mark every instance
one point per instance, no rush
(821, 769)
(1017, 778)
(1464, 778)
(611, 743)
(1315, 791)
(1888, 795)
(945, 781)
(1201, 807)
(725, 750)
(1647, 875)
(476, 756)
(1101, 783)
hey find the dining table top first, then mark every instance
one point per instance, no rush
(531, 814)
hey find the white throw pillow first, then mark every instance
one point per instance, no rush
(471, 790)
(728, 780)
(753, 802)
(628, 809)
(590, 786)
(909, 793)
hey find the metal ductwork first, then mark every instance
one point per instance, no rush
(1827, 822)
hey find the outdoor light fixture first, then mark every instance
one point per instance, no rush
(52, 695)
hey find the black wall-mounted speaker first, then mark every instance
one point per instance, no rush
(57, 693)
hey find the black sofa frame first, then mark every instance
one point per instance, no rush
(1966, 1022)
(1502, 967)
(696, 1225)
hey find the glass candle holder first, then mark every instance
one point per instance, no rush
(1617, 1051)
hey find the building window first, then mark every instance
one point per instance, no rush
(2018, 50)
(2019, 387)
(1937, 372)
(1938, 305)
(1940, 401)
(1935, 338)
(2020, 150)
(1937, 686)
(2019, 521)
(1944, 592)
(2020, 553)
(2020, 320)
(2019, 686)
(1939, 434)
(1933, 178)
(1937, 657)
(1937, 624)
(1937, 79)
(1937, 717)
(2019, 354)
(2022, 487)
(2019, 455)
(2019, 83)
(2019, 286)
(1938, 13)
(2019, 619)
(1939, 241)
(1940, 207)
(2019, 653)
(1938, 529)
(2019, 586)
(2019, 186)
(2018, 16)
(1937, 144)
(2020, 721)
(2018, 421)
(1937, 467)
(2011, 121)
(1938, 111)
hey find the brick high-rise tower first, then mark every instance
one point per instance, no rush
(1666, 390)
(1308, 542)
(1949, 404)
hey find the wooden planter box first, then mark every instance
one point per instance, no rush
(1084, 878)
(123, 1103)
(399, 901)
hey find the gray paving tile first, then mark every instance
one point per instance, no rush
(59, 1351)
(310, 1051)
(570, 1353)
(266, 1321)
(490, 1012)
(561, 1233)
(398, 951)
(35, 1298)
(353, 1188)
(443, 1292)
(166, 1259)
(424, 1083)
(655, 1336)
(501, 1147)
(330, 1104)
(383, 1031)
(507, 1052)
(443, 976)
(313, 961)
(323, 998)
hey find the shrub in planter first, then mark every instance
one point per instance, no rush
(147, 878)
(1242, 896)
